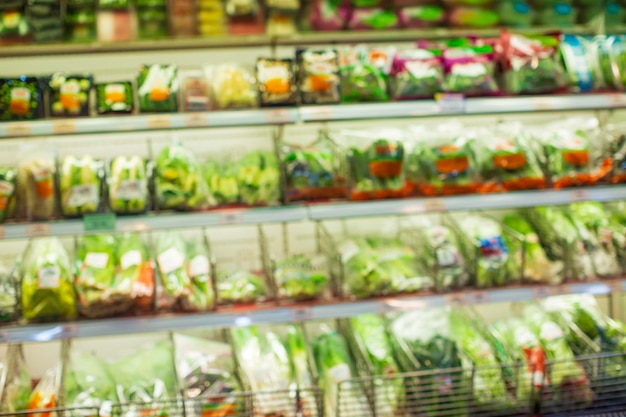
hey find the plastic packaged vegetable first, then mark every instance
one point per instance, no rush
(80, 185)
(472, 17)
(259, 179)
(328, 15)
(35, 195)
(88, 382)
(442, 163)
(373, 19)
(8, 293)
(70, 95)
(376, 160)
(241, 287)
(509, 160)
(318, 80)
(314, 171)
(484, 247)
(419, 16)
(581, 62)
(157, 88)
(276, 80)
(179, 183)
(128, 185)
(7, 191)
(113, 98)
(15, 386)
(195, 91)
(232, 87)
(47, 290)
(364, 73)
(21, 98)
(299, 277)
(45, 394)
(185, 281)
(470, 69)
(532, 65)
(416, 73)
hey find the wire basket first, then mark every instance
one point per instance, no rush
(219, 405)
(158, 408)
(56, 412)
(584, 386)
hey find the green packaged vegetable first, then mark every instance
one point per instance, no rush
(7, 191)
(314, 171)
(70, 95)
(21, 98)
(8, 292)
(80, 185)
(88, 382)
(157, 88)
(442, 163)
(47, 287)
(258, 179)
(15, 382)
(128, 185)
(35, 194)
(336, 370)
(115, 98)
(184, 270)
(300, 278)
(364, 73)
(221, 178)
(536, 265)
(241, 287)
(179, 183)
(509, 161)
(484, 247)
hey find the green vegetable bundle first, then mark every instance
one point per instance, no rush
(442, 163)
(335, 368)
(47, 289)
(371, 335)
(179, 183)
(427, 335)
(157, 88)
(483, 244)
(8, 293)
(241, 287)
(128, 185)
(252, 180)
(7, 191)
(184, 272)
(21, 99)
(80, 185)
(377, 266)
(88, 382)
(529, 252)
(364, 74)
(298, 278)
(69, 95)
(114, 275)
(510, 161)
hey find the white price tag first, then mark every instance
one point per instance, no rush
(97, 259)
(579, 195)
(160, 121)
(60, 127)
(277, 116)
(196, 120)
(170, 260)
(38, 230)
(301, 314)
(449, 103)
(132, 258)
(434, 204)
(541, 292)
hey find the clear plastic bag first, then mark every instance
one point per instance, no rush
(80, 185)
(232, 86)
(35, 195)
(15, 383)
(128, 181)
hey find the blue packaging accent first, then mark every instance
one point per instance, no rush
(493, 247)
(578, 62)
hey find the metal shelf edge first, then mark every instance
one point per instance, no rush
(123, 326)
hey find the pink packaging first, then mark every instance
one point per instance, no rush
(327, 16)
(376, 18)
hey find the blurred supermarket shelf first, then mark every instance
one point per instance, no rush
(314, 212)
(448, 105)
(300, 39)
(123, 326)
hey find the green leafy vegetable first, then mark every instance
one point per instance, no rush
(7, 191)
(128, 185)
(157, 88)
(47, 290)
(179, 183)
(80, 185)
(240, 287)
(298, 278)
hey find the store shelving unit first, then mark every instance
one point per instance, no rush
(322, 211)
(332, 310)
(310, 114)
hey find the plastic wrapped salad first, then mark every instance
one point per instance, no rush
(128, 185)
(364, 73)
(484, 247)
(81, 185)
(300, 277)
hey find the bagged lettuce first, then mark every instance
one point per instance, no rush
(416, 73)
(128, 185)
(179, 183)
(80, 185)
(47, 282)
(335, 367)
(299, 277)
(442, 162)
(484, 245)
(509, 160)
(258, 178)
(184, 271)
(88, 382)
(470, 68)
(364, 73)
(241, 287)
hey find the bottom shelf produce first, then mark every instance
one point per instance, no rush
(559, 357)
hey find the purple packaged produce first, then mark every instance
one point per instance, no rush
(329, 14)
(470, 69)
(417, 73)
(376, 18)
(421, 16)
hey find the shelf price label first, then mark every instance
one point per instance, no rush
(70, 331)
(38, 230)
(159, 121)
(615, 287)
(541, 292)
(196, 120)
(434, 204)
(19, 129)
(455, 300)
(61, 127)
(4, 336)
(449, 103)
(542, 103)
(561, 290)
(230, 217)
(99, 222)
(277, 116)
(577, 196)
(301, 314)
(477, 297)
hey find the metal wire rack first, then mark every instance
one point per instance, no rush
(56, 412)
(585, 386)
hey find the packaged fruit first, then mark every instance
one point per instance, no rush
(69, 95)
